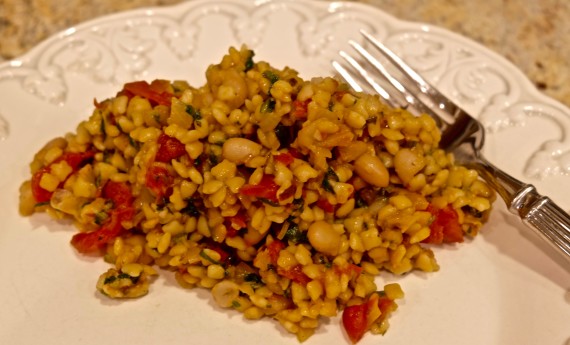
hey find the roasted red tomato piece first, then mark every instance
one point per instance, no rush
(266, 189)
(89, 242)
(300, 108)
(445, 227)
(273, 249)
(354, 321)
(40, 194)
(295, 274)
(158, 180)
(325, 205)
(74, 159)
(156, 92)
(120, 194)
(286, 158)
(169, 148)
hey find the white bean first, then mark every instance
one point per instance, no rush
(240, 150)
(225, 293)
(371, 169)
(407, 164)
(324, 238)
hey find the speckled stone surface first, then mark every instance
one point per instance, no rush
(533, 34)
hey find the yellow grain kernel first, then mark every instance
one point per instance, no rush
(315, 289)
(61, 170)
(164, 243)
(253, 313)
(52, 154)
(216, 272)
(173, 227)
(195, 176)
(49, 182)
(132, 269)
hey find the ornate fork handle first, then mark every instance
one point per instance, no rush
(463, 135)
(537, 211)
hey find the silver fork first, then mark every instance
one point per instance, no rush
(461, 134)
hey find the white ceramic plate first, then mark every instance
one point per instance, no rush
(504, 287)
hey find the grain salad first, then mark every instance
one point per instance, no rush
(287, 198)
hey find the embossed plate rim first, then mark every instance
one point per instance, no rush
(447, 298)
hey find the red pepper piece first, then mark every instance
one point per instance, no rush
(156, 92)
(169, 148)
(445, 227)
(158, 180)
(266, 189)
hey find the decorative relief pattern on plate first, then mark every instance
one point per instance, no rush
(4, 128)
(485, 88)
(553, 156)
(121, 48)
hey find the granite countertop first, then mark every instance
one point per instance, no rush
(533, 34)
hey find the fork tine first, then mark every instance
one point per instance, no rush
(411, 100)
(363, 73)
(447, 107)
(347, 76)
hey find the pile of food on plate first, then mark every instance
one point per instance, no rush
(283, 196)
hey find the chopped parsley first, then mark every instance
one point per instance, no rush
(249, 62)
(272, 77)
(268, 202)
(294, 234)
(326, 184)
(268, 106)
(101, 217)
(299, 204)
(133, 143)
(253, 278)
(194, 113)
(208, 258)
(102, 127)
(191, 208)
(213, 159)
(111, 279)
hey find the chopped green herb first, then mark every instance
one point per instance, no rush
(133, 143)
(112, 279)
(40, 204)
(109, 280)
(268, 202)
(235, 304)
(101, 217)
(207, 257)
(191, 209)
(193, 112)
(268, 106)
(156, 117)
(299, 204)
(249, 62)
(287, 292)
(326, 184)
(106, 156)
(331, 105)
(198, 161)
(213, 159)
(253, 278)
(359, 201)
(472, 211)
(272, 77)
(294, 234)
(102, 127)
